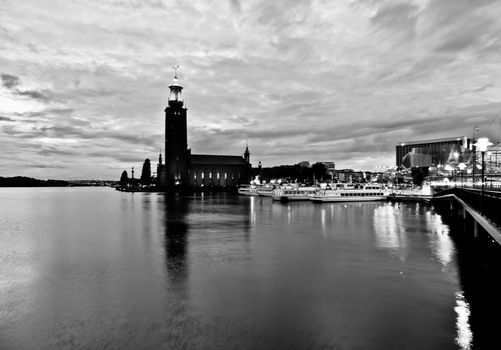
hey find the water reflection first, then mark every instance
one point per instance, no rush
(390, 230)
(441, 244)
(176, 228)
(223, 271)
(252, 210)
(464, 335)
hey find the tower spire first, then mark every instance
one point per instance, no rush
(247, 153)
(175, 90)
(175, 71)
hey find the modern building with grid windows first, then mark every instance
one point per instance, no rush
(433, 152)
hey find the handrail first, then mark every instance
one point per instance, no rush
(487, 204)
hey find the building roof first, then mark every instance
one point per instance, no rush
(448, 139)
(209, 159)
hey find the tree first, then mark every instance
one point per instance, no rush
(124, 179)
(146, 173)
(319, 171)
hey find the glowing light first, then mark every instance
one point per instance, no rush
(483, 143)
(464, 335)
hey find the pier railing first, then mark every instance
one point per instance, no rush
(486, 202)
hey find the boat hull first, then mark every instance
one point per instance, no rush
(290, 198)
(247, 192)
(261, 193)
(329, 199)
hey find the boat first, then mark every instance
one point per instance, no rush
(352, 193)
(265, 191)
(423, 194)
(247, 190)
(293, 193)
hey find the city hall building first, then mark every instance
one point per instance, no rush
(196, 171)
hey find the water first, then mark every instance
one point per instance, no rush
(95, 268)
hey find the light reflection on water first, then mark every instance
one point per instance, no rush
(464, 335)
(390, 230)
(94, 268)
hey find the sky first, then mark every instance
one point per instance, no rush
(84, 84)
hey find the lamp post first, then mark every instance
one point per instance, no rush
(474, 160)
(482, 145)
(462, 166)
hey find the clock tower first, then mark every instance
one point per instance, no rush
(177, 154)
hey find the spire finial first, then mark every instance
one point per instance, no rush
(175, 71)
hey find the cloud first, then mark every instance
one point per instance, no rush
(397, 17)
(9, 81)
(32, 94)
(483, 88)
(235, 6)
(86, 83)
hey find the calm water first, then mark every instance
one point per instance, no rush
(95, 268)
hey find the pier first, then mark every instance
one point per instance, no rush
(482, 206)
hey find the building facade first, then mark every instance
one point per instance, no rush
(196, 171)
(430, 152)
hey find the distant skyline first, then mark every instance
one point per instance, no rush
(84, 83)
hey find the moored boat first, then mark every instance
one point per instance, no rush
(289, 193)
(423, 194)
(352, 193)
(265, 191)
(247, 190)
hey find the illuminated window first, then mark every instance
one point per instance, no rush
(210, 174)
(217, 175)
(203, 175)
(225, 176)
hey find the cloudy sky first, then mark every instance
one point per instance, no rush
(84, 83)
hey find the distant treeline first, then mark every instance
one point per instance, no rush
(294, 173)
(23, 181)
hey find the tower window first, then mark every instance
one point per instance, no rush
(217, 175)
(210, 174)
(225, 176)
(203, 175)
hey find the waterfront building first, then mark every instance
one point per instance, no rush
(349, 176)
(182, 169)
(429, 153)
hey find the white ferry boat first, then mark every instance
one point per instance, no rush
(423, 194)
(265, 191)
(352, 193)
(289, 193)
(247, 190)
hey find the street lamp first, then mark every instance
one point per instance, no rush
(461, 167)
(482, 145)
(474, 158)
